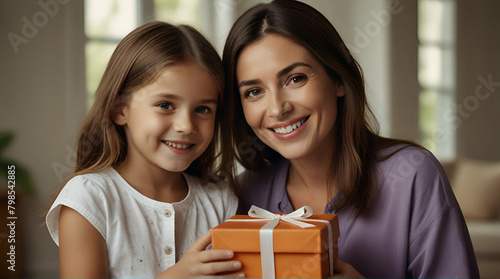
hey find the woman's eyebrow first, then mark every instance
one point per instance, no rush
(279, 75)
(248, 82)
(290, 68)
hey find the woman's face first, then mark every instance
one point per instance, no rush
(288, 99)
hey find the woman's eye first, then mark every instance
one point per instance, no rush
(166, 106)
(252, 93)
(297, 79)
(203, 110)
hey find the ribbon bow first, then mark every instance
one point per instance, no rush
(299, 214)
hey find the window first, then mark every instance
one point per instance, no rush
(107, 22)
(436, 75)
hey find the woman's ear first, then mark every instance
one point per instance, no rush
(340, 90)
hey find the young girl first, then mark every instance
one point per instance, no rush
(141, 193)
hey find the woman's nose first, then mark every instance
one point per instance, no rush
(278, 105)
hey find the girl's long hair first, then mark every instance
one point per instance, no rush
(137, 60)
(356, 142)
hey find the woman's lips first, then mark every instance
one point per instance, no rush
(289, 130)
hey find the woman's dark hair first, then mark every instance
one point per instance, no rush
(356, 143)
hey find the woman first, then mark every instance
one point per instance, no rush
(311, 139)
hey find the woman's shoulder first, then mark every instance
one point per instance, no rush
(413, 168)
(406, 160)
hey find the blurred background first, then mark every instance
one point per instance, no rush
(432, 70)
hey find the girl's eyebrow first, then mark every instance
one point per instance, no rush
(279, 75)
(177, 98)
(209, 101)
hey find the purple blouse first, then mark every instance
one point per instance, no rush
(415, 228)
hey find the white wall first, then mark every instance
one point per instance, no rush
(41, 98)
(478, 80)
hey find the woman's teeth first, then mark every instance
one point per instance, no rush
(290, 128)
(177, 145)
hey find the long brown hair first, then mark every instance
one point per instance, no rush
(136, 61)
(356, 130)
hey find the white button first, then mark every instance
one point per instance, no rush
(168, 250)
(167, 213)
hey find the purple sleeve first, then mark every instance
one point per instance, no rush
(442, 250)
(439, 241)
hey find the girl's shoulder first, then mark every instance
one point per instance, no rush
(95, 182)
(90, 195)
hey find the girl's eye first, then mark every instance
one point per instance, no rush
(166, 106)
(296, 80)
(203, 110)
(252, 93)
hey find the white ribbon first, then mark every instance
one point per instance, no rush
(266, 233)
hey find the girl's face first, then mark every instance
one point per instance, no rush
(288, 99)
(170, 122)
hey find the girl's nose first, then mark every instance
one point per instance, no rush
(184, 123)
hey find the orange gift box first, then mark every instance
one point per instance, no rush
(298, 252)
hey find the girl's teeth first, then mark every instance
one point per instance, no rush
(177, 145)
(290, 128)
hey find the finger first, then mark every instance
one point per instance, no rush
(215, 255)
(201, 243)
(213, 268)
(233, 275)
(339, 265)
(345, 270)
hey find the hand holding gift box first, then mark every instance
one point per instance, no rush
(269, 245)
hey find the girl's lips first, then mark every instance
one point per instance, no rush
(289, 130)
(178, 147)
